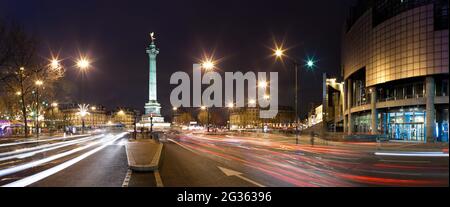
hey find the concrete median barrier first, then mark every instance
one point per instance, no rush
(144, 155)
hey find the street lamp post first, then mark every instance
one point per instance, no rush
(230, 107)
(93, 109)
(83, 64)
(136, 113)
(175, 111)
(151, 124)
(207, 65)
(279, 53)
(54, 105)
(38, 83)
(207, 115)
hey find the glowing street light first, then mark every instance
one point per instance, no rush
(83, 63)
(230, 105)
(203, 107)
(54, 104)
(54, 64)
(278, 53)
(310, 63)
(83, 109)
(262, 84)
(208, 65)
(39, 82)
(252, 101)
(121, 113)
(174, 108)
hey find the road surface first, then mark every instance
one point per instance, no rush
(191, 160)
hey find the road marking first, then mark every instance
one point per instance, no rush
(126, 181)
(158, 179)
(413, 154)
(229, 172)
(46, 173)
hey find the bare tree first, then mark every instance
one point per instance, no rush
(22, 68)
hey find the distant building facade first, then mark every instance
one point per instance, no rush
(395, 67)
(124, 116)
(248, 118)
(67, 114)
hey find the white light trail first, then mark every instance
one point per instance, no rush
(28, 152)
(41, 140)
(41, 175)
(45, 160)
(413, 154)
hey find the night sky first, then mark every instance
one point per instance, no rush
(239, 33)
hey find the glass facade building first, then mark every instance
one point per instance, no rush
(395, 67)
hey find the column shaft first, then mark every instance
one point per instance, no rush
(349, 106)
(373, 107)
(430, 110)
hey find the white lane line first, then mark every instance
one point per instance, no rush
(412, 154)
(28, 152)
(126, 181)
(42, 140)
(158, 179)
(46, 173)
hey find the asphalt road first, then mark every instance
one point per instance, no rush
(194, 160)
(76, 161)
(271, 160)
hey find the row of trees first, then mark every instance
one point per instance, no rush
(22, 73)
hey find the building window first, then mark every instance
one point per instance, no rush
(405, 125)
(441, 15)
(442, 87)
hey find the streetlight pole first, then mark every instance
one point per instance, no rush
(83, 64)
(37, 113)
(208, 65)
(230, 107)
(296, 101)
(279, 53)
(207, 111)
(38, 83)
(151, 124)
(135, 123)
(174, 114)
